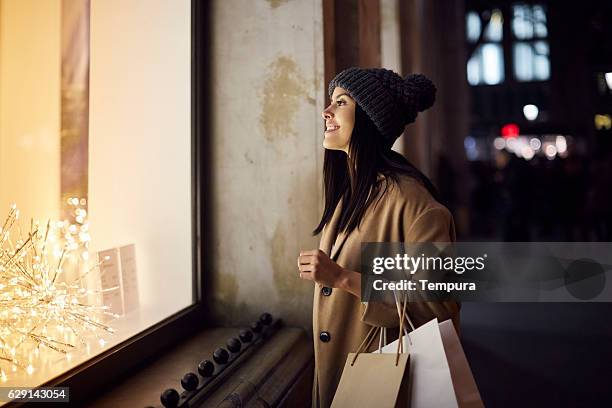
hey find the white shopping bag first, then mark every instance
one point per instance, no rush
(431, 382)
(464, 384)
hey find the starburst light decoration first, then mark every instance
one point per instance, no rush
(45, 303)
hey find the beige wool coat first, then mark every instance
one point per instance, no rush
(406, 213)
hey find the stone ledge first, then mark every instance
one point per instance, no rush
(278, 372)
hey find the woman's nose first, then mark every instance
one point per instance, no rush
(326, 114)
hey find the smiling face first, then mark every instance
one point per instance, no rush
(339, 120)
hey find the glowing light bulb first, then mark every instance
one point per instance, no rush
(530, 112)
(561, 144)
(603, 122)
(499, 143)
(527, 152)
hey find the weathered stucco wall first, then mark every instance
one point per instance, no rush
(267, 95)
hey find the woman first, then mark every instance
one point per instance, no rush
(372, 194)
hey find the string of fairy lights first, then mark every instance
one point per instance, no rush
(46, 305)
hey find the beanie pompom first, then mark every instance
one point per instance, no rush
(419, 92)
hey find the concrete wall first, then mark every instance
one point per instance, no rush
(267, 131)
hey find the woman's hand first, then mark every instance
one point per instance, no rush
(316, 266)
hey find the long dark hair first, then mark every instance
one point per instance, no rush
(352, 177)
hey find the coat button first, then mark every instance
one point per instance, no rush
(326, 291)
(324, 336)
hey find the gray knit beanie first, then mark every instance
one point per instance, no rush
(389, 100)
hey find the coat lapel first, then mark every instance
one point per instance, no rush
(331, 241)
(342, 238)
(336, 240)
(329, 232)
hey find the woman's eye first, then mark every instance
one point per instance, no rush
(340, 102)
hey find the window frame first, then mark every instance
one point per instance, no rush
(92, 377)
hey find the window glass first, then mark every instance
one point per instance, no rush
(529, 21)
(473, 26)
(95, 153)
(486, 66)
(531, 61)
(494, 30)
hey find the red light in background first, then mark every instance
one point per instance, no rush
(510, 130)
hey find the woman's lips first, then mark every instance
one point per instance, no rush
(332, 129)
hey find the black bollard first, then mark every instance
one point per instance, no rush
(234, 345)
(246, 335)
(190, 381)
(256, 326)
(206, 368)
(170, 398)
(220, 356)
(266, 318)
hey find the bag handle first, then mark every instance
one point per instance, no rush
(383, 337)
(404, 314)
(367, 341)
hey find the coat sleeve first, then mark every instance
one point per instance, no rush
(433, 225)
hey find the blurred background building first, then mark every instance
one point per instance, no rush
(539, 144)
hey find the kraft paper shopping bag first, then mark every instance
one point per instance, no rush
(373, 381)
